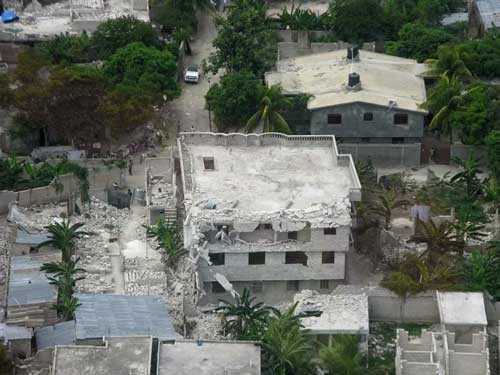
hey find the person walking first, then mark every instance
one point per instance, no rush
(130, 165)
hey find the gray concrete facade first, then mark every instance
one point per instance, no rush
(259, 218)
(380, 129)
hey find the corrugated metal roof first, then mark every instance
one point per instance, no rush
(11, 333)
(27, 285)
(23, 237)
(58, 334)
(489, 10)
(116, 315)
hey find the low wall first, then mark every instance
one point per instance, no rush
(383, 154)
(463, 152)
(98, 181)
(389, 307)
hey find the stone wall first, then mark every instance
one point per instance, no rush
(463, 151)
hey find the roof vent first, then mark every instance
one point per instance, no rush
(354, 82)
(353, 52)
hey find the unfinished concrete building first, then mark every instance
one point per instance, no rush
(268, 212)
(437, 353)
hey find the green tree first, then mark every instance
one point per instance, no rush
(234, 99)
(357, 20)
(66, 306)
(6, 93)
(450, 62)
(63, 275)
(482, 273)
(343, 356)
(10, 173)
(244, 319)
(66, 48)
(62, 236)
(440, 238)
(268, 113)
(493, 149)
(468, 175)
(418, 42)
(287, 348)
(169, 240)
(143, 71)
(117, 33)
(245, 40)
(385, 205)
(482, 56)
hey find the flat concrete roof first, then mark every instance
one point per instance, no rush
(324, 75)
(296, 180)
(119, 355)
(340, 313)
(461, 308)
(209, 358)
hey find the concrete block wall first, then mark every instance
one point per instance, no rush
(384, 154)
(236, 268)
(463, 151)
(390, 307)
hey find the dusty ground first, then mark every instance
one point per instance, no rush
(188, 113)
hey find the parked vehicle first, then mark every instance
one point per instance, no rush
(192, 74)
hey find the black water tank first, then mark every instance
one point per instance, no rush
(352, 52)
(353, 79)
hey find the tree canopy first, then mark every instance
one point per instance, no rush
(245, 40)
(234, 100)
(119, 32)
(143, 71)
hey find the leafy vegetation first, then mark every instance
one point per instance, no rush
(304, 19)
(234, 99)
(245, 40)
(66, 273)
(169, 240)
(268, 114)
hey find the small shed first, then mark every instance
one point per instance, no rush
(114, 315)
(58, 334)
(463, 313)
(18, 339)
(334, 314)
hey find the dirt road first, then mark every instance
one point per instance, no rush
(188, 111)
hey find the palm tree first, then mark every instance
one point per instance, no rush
(244, 319)
(450, 62)
(343, 357)
(440, 239)
(66, 306)
(385, 205)
(62, 236)
(468, 175)
(64, 275)
(288, 349)
(268, 114)
(169, 239)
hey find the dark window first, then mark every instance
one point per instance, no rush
(368, 116)
(292, 236)
(266, 226)
(398, 140)
(324, 284)
(257, 258)
(217, 288)
(365, 140)
(334, 118)
(330, 231)
(328, 257)
(256, 287)
(400, 119)
(217, 259)
(209, 163)
(296, 257)
(292, 285)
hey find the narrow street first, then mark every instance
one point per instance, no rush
(188, 111)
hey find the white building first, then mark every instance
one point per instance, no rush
(266, 211)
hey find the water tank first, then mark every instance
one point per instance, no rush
(353, 80)
(352, 52)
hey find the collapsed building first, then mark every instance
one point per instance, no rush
(267, 212)
(459, 347)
